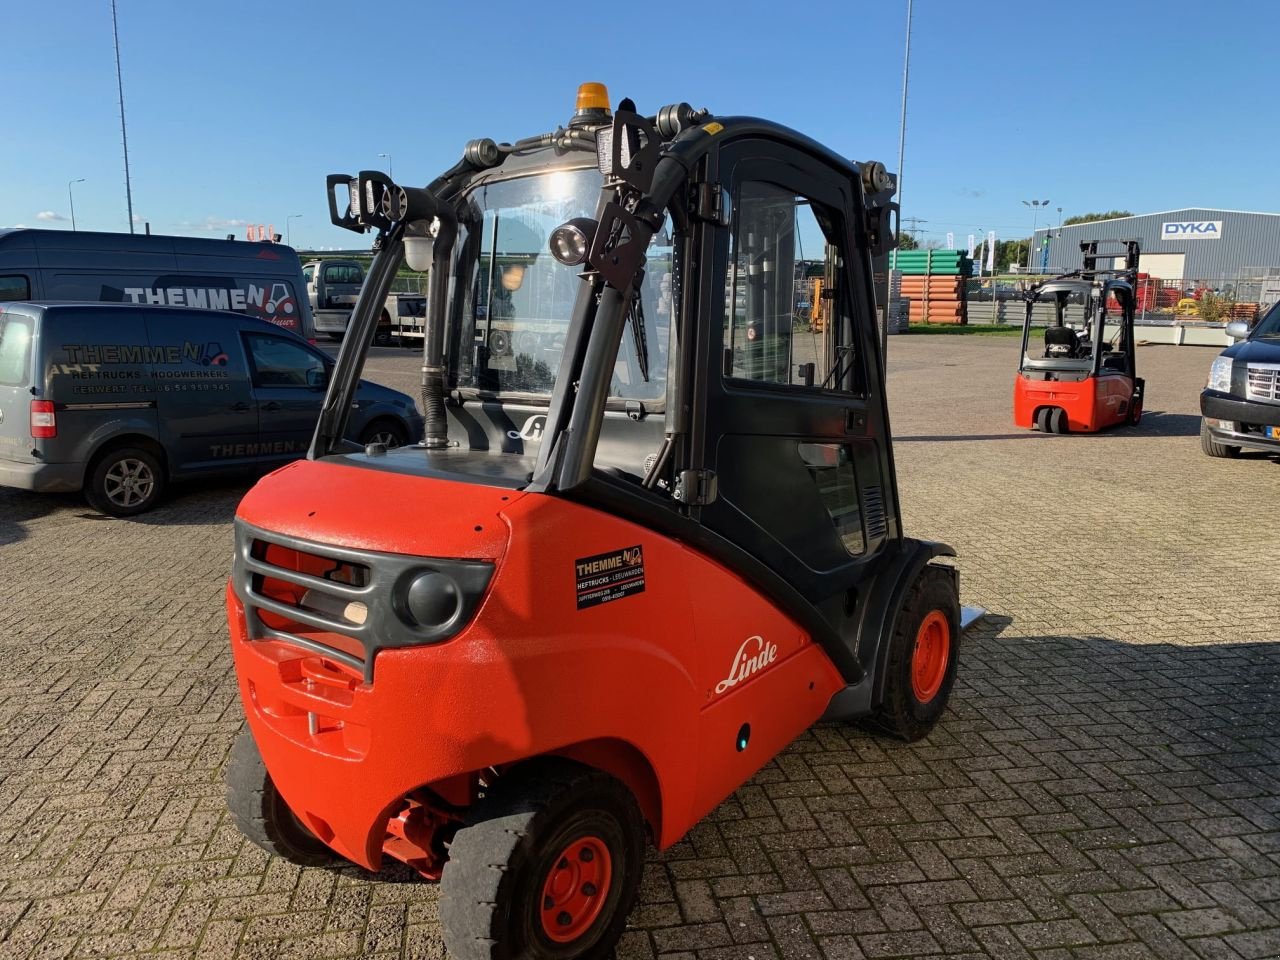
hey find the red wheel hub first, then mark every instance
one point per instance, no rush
(576, 888)
(931, 656)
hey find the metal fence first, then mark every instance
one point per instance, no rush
(1002, 299)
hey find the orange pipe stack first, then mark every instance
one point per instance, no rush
(936, 299)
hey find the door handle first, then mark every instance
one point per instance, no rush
(240, 407)
(271, 405)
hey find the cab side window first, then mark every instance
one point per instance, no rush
(308, 273)
(15, 287)
(280, 362)
(782, 296)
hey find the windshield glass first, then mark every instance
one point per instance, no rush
(1269, 326)
(513, 300)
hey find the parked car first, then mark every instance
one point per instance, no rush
(333, 287)
(1241, 402)
(117, 400)
(259, 279)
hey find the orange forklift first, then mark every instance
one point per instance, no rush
(635, 553)
(1081, 378)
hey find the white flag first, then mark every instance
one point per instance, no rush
(991, 251)
(951, 241)
(973, 245)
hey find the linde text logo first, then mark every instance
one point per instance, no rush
(1191, 230)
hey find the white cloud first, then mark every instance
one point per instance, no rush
(214, 223)
(49, 215)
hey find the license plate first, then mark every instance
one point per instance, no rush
(1273, 433)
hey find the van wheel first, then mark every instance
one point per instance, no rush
(125, 482)
(923, 654)
(547, 868)
(261, 813)
(387, 432)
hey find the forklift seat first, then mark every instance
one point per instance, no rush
(1060, 342)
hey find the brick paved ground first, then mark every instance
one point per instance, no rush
(1106, 785)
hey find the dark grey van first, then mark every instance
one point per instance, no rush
(117, 400)
(259, 279)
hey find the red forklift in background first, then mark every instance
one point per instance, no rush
(1081, 377)
(573, 616)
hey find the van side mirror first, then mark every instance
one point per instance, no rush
(1237, 330)
(317, 378)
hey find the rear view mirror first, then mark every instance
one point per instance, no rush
(1237, 330)
(317, 378)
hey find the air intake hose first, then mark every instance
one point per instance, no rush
(436, 433)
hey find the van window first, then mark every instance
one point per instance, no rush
(308, 273)
(15, 351)
(278, 362)
(342, 273)
(15, 287)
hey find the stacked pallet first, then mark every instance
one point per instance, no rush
(934, 282)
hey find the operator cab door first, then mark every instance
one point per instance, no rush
(792, 424)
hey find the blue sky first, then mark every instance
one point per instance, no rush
(237, 110)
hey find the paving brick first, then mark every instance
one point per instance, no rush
(1103, 786)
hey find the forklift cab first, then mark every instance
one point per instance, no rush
(649, 535)
(1088, 359)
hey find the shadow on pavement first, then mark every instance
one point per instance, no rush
(1153, 425)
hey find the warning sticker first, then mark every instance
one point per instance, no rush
(609, 576)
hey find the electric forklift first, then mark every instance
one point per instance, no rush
(1082, 378)
(650, 534)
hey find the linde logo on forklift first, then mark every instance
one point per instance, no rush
(752, 657)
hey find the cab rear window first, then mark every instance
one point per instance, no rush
(15, 351)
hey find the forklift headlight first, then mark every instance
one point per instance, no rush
(1220, 375)
(571, 241)
(433, 599)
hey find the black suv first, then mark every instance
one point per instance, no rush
(1241, 402)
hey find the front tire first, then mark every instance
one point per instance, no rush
(125, 482)
(388, 432)
(1212, 447)
(260, 812)
(547, 868)
(923, 655)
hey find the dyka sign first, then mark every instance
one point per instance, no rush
(1191, 230)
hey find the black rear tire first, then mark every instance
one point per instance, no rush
(1042, 419)
(1212, 447)
(260, 812)
(1058, 420)
(125, 482)
(493, 889)
(904, 713)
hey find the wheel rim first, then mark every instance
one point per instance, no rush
(576, 888)
(931, 655)
(129, 482)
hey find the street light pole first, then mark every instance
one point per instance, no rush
(72, 200)
(387, 157)
(1035, 206)
(288, 234)
(124, 137)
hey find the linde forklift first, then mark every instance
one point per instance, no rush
(1079, 380)
(650, 535)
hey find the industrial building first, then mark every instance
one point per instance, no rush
(1230, 250)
